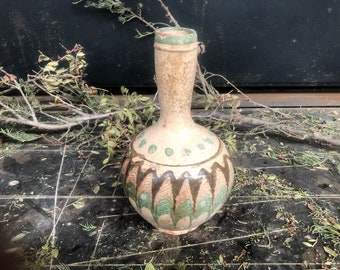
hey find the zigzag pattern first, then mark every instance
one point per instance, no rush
(174, 203)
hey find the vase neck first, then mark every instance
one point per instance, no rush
(175, 100)
(175, 69)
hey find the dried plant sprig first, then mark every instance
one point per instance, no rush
(168, 13)
(65, 101)
(125, 14)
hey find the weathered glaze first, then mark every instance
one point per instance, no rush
(177, 174)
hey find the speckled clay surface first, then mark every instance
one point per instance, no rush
(177, 174)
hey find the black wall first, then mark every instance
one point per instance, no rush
(266, 43)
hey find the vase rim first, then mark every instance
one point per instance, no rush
(175, 35)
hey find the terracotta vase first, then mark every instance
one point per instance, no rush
(177, 174)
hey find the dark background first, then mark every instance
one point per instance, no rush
(272, 44)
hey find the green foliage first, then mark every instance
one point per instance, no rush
(135, 114)
(87, 227)
(64, 77)
(61, 79)
(321, 159)
(19, 135)
(63, 266)
(327, 226)
(72, 102)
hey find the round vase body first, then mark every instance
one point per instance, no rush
(177, 174)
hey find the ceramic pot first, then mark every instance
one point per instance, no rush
(177, 174)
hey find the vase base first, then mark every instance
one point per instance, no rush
(176, 232)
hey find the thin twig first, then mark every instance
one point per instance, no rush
(57, 98)
(66, 203)
(280, 128)
(238, 90)
(100, 232)
(198, 66)
(54, 225)
(14, 112)
(15, 84)
(168, 14)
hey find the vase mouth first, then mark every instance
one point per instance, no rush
(175, 35)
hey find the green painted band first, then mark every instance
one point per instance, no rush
(175, 35)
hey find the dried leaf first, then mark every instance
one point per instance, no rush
(271, 177)
(307, 244)
(67, 81)
(96, 189)
(116, 184)
(43, 58)
(149, 266)
(106, 160)
(61, 70)
(79, 203)
(19, 236)
(55, 253)
(288, 240)
(51, 66)
(330, 251)
(80, 54)
(220, 259)
(111, 144)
